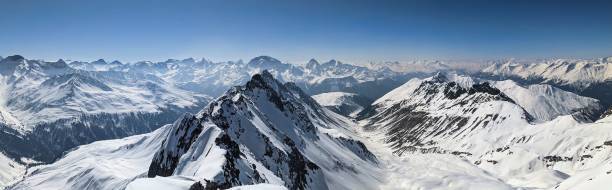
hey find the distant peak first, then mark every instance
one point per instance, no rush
(439, 77)
(171, 60)
(15, 58)
(204, 60)
(189, 60)
(116, 62)
(263, 60)
(312, 64)
(100, 61)
(313, 61)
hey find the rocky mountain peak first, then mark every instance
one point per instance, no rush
(312, 64)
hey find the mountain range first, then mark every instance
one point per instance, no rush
(331, 125)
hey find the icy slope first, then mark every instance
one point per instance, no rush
(343, 103)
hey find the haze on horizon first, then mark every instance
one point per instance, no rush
(295, 31)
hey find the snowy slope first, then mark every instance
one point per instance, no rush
(343, 103)
(180, 183)
(10, 170)
(109, 164)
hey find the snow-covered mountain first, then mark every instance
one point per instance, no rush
(343, 103)
(483, 125)
(546, 102)
(47, 108)
(436, 108)
(262, 132)
(542, 101)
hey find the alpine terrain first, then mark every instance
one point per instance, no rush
(100, 125)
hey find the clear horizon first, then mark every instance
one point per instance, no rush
(295, 31)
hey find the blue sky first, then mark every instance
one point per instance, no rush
(354, 31)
